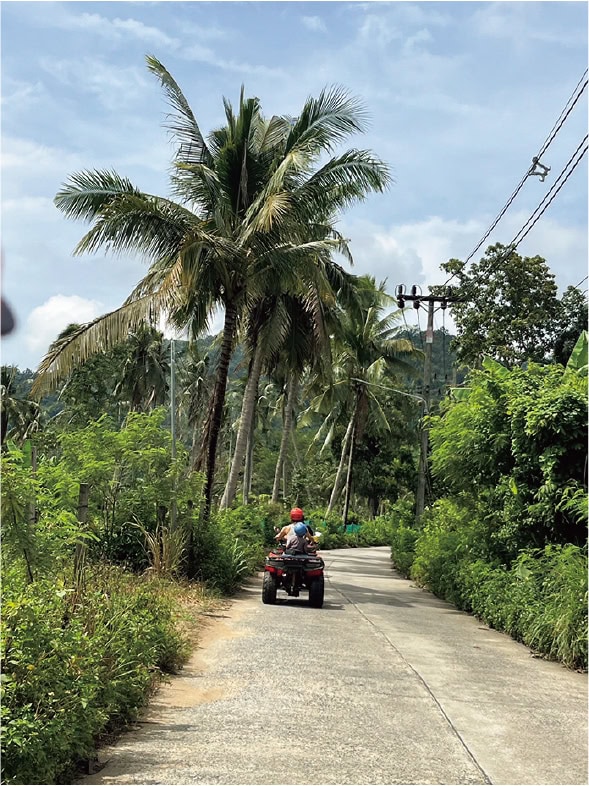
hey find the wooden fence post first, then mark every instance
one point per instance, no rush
(80, 551)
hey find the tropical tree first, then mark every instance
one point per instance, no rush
(19, 416)
(144, 377)
(247, 203)
(509, 308)
(367, 354)
(285, 328)
(571, 321)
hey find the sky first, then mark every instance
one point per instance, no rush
(460, 97)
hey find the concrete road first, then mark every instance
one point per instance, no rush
(385, 684)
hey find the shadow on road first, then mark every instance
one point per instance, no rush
(418, 597)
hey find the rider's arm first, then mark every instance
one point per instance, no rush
(283, 533)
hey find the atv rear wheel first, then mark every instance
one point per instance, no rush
(269, 588)
(316, 591)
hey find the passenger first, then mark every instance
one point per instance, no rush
(297, 541)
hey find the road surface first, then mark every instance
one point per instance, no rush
(386, 684)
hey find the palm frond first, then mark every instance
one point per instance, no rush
(86, 194)
(325, 121)
(92, 338)
(182, 123)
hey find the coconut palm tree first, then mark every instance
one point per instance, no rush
(248, 200)
(367, 352)
(19, 417)
(286, 324)
(144, 377)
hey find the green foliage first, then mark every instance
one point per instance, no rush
(452, 532)
(517, 440)
(76, 666)
(403, 535)
(512, 309)
(572, 320)
(541, 599)
(133, 481)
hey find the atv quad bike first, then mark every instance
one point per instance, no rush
(293, 573)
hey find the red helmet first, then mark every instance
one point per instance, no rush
(296, 514)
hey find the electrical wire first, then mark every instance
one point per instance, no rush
(582, 281)
(548, 141)
(560, 122)
(549, 197)
(419, 326)
(409, 329)
(547, 200)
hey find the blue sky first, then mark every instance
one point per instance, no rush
(460, 96)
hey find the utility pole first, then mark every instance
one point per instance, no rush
(417, 299)
(173, 423)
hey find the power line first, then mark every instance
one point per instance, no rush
(548, 141)
(409, 329)
(550, 196)
(559, 123)
(582, 281)
(564, 175)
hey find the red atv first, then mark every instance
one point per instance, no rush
(293, 573)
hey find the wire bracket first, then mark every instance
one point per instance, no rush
(538, 169)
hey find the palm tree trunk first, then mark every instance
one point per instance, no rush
(349, 478)
(249, 463)
(339, 478)
(215, 418)
(245, 425)
(286, 429)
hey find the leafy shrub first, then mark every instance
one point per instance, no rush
(541, 599)
(403, 535)
(445, 540)
(75, 666)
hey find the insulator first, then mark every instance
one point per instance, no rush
(400, 302)
(416, 304)
(414, 290)
(400, 290)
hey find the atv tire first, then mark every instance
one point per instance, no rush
(269, 588)
(316, 591)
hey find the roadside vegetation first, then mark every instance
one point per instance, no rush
(118, 533)
(506, 537)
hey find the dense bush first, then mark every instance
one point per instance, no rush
(76, 664)
(403, 535)
(507, 538)
(518, 440)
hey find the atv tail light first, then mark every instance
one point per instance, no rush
(314, 572)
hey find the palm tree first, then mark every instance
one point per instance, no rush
(367, 351)
(249, 200)
(144, 377)
(19, 417)
(284, 323)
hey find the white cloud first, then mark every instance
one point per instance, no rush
(115, 87)
(420, 37)
(45, 322)
(377, 30)
(116, 28)
(205, 54)
(512, 22)
(314, 23)
(411, 253)
(18, 94)
(22, 154)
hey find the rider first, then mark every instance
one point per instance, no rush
(296, 516)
